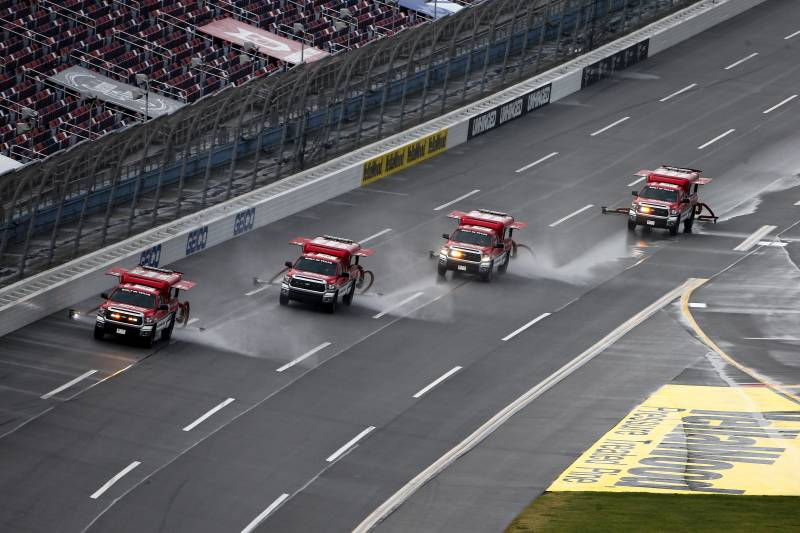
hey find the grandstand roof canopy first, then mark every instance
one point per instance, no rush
(7, 164)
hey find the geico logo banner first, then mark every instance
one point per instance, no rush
(196, 240)
(696, 439)
(151, 256)
(404, 157)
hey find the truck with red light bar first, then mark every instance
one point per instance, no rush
(481, 244)
(144, 303)
(668, 199)
(328, 271)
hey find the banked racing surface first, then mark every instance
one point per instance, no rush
(259, 417)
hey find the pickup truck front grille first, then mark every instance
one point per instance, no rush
(123, 317)
(474, 257)
(307, 284)
(656, 211)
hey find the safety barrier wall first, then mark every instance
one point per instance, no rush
(38, 296)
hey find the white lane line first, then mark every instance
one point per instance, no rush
(99, 492)
(579, 211)
(491, 425)
(797, 202)
(382, 232)
(742, 60)
(306, 355)
(265, 513)
(256, 291)
(451, 202)
(757, 235)
(698, 305)
(777, 244)
(776, 106)
(542, 160)
(715, 139)
(638, 180)
(795, 34)
(398, 304)
(676, 93)
(192, 321)
(526, 326)
(341, 451)
(367, 189)
(771, 339)
(208, 414)
(601, 130)
(68, 384)
(436, 382)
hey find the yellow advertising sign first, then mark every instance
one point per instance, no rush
(404, 157)
(697, 440)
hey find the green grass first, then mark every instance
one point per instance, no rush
(619, 512)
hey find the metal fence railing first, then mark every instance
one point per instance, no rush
(104, 190)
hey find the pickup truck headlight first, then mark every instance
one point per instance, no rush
(673, 212)
(149, 320)
(485, 258)
(331, 287)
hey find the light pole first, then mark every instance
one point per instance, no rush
(143, 80)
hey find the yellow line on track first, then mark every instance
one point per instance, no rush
(733, 362)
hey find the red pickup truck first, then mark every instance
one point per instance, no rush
(667, 200)
(480, 244)
(143, 304)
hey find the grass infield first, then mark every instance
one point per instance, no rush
(620, 512)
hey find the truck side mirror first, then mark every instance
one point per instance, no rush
(288, 264)
(445, 236)
(685, 201)
(163, 307)
(499, 246)
(345, 275)
(104, 295)
(634, 193)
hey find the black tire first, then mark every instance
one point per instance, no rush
(330, 307)
(150, 340)
(504, 267)
(687, 226)
(441, 270)
(486, 277)
(166, 334)
(674, 229)
(347, 299)
(283, 299)
(99, 333)
(632, 225)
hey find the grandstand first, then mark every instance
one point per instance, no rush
(152, 50)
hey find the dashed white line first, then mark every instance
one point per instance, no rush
(192, 321)
(437, 381)
(579, 211)
(742, 60)
(637, 180)
(208, 414)
(757, 235)
(777, 244)
(398, 304)
(601, 130)
(68, 384)
(542, 160)
(676, 93)
(795, 34)
(776, 106)
(526, 326)
(344, 449)
(451, 202)
(698, 305)
(797, 202)
(382, 232)
(99, 492)
(715, 139)
(303, 357)
(265, 513)
(256, 291)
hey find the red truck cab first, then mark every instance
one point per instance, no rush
(327, 271)
(481, 244)
(668, 198)
(144, 303)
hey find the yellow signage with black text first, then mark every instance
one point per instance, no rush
(404, 157)
(697, 440)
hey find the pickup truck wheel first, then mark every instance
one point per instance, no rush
(347, 299)
(632, 225)
(502, 268)
(330, 307)
(674, 229)
(487, 276)
(687, 226)
(441, 270)
(150, 340)
(166, 334)
(283, 299)
(99, 332)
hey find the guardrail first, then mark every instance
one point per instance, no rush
(34, 298)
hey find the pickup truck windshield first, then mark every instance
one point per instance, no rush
(471, 237)
(664, 195)
(326, 268)
(129, 297)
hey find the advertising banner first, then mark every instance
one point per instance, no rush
(404, 157)
(268, 43)
(509, 111)
(619, 61)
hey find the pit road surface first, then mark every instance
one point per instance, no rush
(319, 445)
